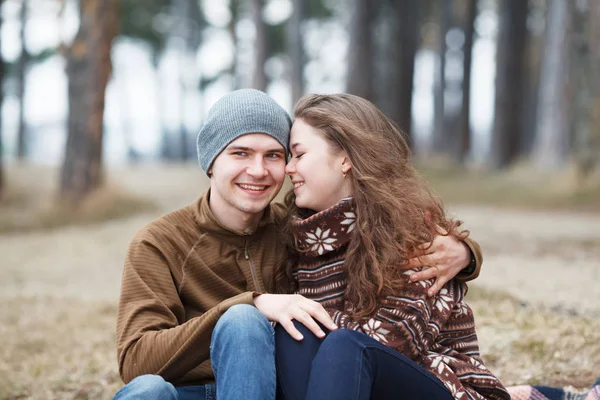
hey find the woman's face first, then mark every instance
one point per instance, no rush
(316, 171)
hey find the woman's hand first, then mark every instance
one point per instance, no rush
(283, 308)
(444, 258)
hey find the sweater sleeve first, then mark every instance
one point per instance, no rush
(409, 321)
(477, 257)
(152, 337)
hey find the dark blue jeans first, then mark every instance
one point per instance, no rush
(349, 365)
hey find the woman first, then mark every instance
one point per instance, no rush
(357, 212)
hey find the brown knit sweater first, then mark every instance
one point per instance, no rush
(182, 272)
(437, 333)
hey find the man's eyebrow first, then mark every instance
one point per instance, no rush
(238, 148)
(244, 148)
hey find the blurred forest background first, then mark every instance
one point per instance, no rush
(101, 101)
(480, 83)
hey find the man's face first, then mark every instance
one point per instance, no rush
(248, 174)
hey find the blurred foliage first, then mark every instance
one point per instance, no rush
(276, 33)
(153, 22)
(319, 9)
(145, 20)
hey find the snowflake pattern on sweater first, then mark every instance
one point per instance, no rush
(437, 333)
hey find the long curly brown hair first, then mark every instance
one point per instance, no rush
(395, 209)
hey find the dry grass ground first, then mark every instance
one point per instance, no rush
(537, 301)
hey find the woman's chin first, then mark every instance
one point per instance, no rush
(300, 203)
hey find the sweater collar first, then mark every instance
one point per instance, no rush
(208, 222)
(327, 230)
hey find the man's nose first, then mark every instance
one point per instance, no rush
(257, 168)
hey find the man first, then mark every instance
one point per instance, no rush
(195, 307)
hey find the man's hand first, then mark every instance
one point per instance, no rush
(445, 257)
(283, 308)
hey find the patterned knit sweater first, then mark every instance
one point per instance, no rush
(436, 332)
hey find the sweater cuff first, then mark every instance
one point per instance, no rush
(242, 298)
(474, 268)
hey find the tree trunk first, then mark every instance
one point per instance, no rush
(551, 142)
(584, 77)
(594, 117)
(535, 41)
(261, 44)
(439, 135)
(234, 8)
(181, 11)
(295, 49)
(465, 128)
(407, 39)
(88, 69)
(1, 102)
(22, 65)
(510, 74)
(361, 50)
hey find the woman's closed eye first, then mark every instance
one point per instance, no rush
(299, 155)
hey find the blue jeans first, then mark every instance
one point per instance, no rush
(349, 365)
(242, 353)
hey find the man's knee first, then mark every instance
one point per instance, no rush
(243, 343)
(243, 320)
(147, 387)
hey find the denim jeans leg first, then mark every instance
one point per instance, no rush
(199, 392)
(351, 366)
(147, 387)
(294, 359)
(242, 354)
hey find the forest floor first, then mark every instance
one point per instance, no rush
(536, 303)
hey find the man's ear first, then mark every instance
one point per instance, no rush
(346, 165)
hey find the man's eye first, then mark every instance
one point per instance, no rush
(273, 155)
(240, 153)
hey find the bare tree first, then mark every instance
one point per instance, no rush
(510, 74)
(585, 86)
(295, 49)
(551, 141)
(360, 80)
(22, 65)
(594, 117)
(261, 46)
(88, 69)
(407, 16)
(440, 140)
(234, 7)
(1, 101)
(535, 39)
(465, 128)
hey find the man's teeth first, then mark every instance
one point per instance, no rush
(252, 187)
(297, 185)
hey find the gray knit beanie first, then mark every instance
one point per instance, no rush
(236, 114)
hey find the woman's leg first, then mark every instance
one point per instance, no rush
(351, 365)
(293, 359)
